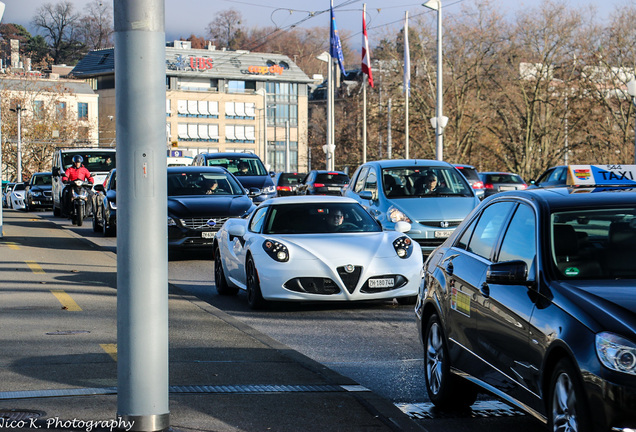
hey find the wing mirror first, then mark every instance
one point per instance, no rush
(507, 273)
(237, 230)
(366, 195)
(402, 226)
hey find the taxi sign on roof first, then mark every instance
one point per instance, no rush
(601, 175)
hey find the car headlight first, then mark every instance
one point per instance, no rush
(396, 215)
(403, 246)
(269, 189)
(276, 250)
(171, 222)
(616, 352)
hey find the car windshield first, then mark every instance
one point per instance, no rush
(240, 166)
(319, 218)
(423, 181)
(594, 244)
(93, 161)
(19, 187)
(42, 180)
(202, 184)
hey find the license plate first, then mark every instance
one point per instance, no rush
(381, 283)
(443, 233)
(207, 234)
(332, 188)
(507, 188)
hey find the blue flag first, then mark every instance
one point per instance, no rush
(334, 39)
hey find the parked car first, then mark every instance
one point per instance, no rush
(105, 205)
(16, 197)
(322, 182)
(532, 299)
(472, 175)
(248, 169)
(5, 194)
(495, 182)
(555, 176)
(38, 192)
(315, 248)
(396, 190)
(195, 211)
(287, 182)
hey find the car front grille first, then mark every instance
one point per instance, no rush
(201, 224)
(440, 224)
(48, 194)
(312, 285)
(350, 280)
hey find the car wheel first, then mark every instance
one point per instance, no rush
(97, 226)
(219, 276)
(567, 407)
(108, 229)
(254, 295)
(445, 390)
(56, 211)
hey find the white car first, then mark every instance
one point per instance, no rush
(315, 248)
(16, 198)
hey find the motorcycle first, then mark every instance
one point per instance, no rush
(79, 195)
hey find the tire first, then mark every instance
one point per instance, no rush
(446, 390)
(56, 211)
(79, 215)
(97, 226)
(254, 295)
(222, 287)
(108, 229)
(567, 408)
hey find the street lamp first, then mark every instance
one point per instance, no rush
(1, 235)
(263, 92)
(18, 109)
(330, 147)
(436, 5)
(631, 89)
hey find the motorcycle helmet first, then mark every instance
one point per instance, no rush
(78, 158)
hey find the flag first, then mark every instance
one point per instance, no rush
(366, 59)
(334, 39)
(407, 57)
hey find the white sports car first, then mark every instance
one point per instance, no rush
(315, 248)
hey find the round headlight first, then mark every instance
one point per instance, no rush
(625, 360)
(401, 252)
(281, 255)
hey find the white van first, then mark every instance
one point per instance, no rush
(99, 161)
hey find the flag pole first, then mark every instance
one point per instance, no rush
(407, 64)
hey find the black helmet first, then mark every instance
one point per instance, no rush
(78, 158)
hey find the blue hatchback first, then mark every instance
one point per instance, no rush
(433, 196)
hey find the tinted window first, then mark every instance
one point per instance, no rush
(469, 173)
(193, 183)
(290, 179)
(488, 228)
(332, 178)
(504, 178)
(42, 180)
(519, 241)
(93, 161)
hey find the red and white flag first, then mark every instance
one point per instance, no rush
(366, 60)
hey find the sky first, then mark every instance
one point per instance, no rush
(186, 17)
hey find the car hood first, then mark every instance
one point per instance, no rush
(608, 304)
(255, 181)
(195, 206)
(40, 188)
(436, 208)
(340, 249)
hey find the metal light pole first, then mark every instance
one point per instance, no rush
(263, 92)
(631, 89)
(439, 124)
(18, 110)
(1, 190)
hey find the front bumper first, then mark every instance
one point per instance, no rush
(612, 405)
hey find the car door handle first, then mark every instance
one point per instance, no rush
(485, 290)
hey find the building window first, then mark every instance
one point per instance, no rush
(38, 110)
(282, 102)
(240, 110)
(82, 111)
(60, 110)
(201, 132)
(241, 86)
(240, 134)
(276, 155)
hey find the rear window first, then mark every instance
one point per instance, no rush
(288, 179)
(469, 173)
(332, 178)
(93, 161)
(504, 178)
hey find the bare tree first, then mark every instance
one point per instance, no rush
(225, 30)
(95, 29)
(58, 23)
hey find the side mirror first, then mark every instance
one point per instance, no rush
(507, 273)
(402, 226)
(237, 230)
(56, 171)
(99, 188)
(366, 195)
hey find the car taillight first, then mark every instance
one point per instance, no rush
(524, 186)
(488, 186)
(478, 185)
(319, 185)
(284, 188)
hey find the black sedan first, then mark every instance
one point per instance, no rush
(533, 298)
(38, 192)
(200, 200)
(105, 205)
(321, 182)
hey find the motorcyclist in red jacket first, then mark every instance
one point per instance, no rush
(77, 171)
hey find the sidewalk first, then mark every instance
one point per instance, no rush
(58, 345)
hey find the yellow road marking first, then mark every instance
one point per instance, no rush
(35, 267)
(67, 302)
(12, 245)
(111, 350)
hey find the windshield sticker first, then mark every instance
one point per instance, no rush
(571, 271)
(460, 302)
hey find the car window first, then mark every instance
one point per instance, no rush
(469, 173)
(239, 166)
(195, 183)
(371, 183)
(359, 187)
(257, 220)
(42, 180)
(319, 218)
(332, 178)
(488, 227)
(557, 176)
(519, 240)
(93, 161)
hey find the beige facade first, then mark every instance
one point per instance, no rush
(218, 101)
